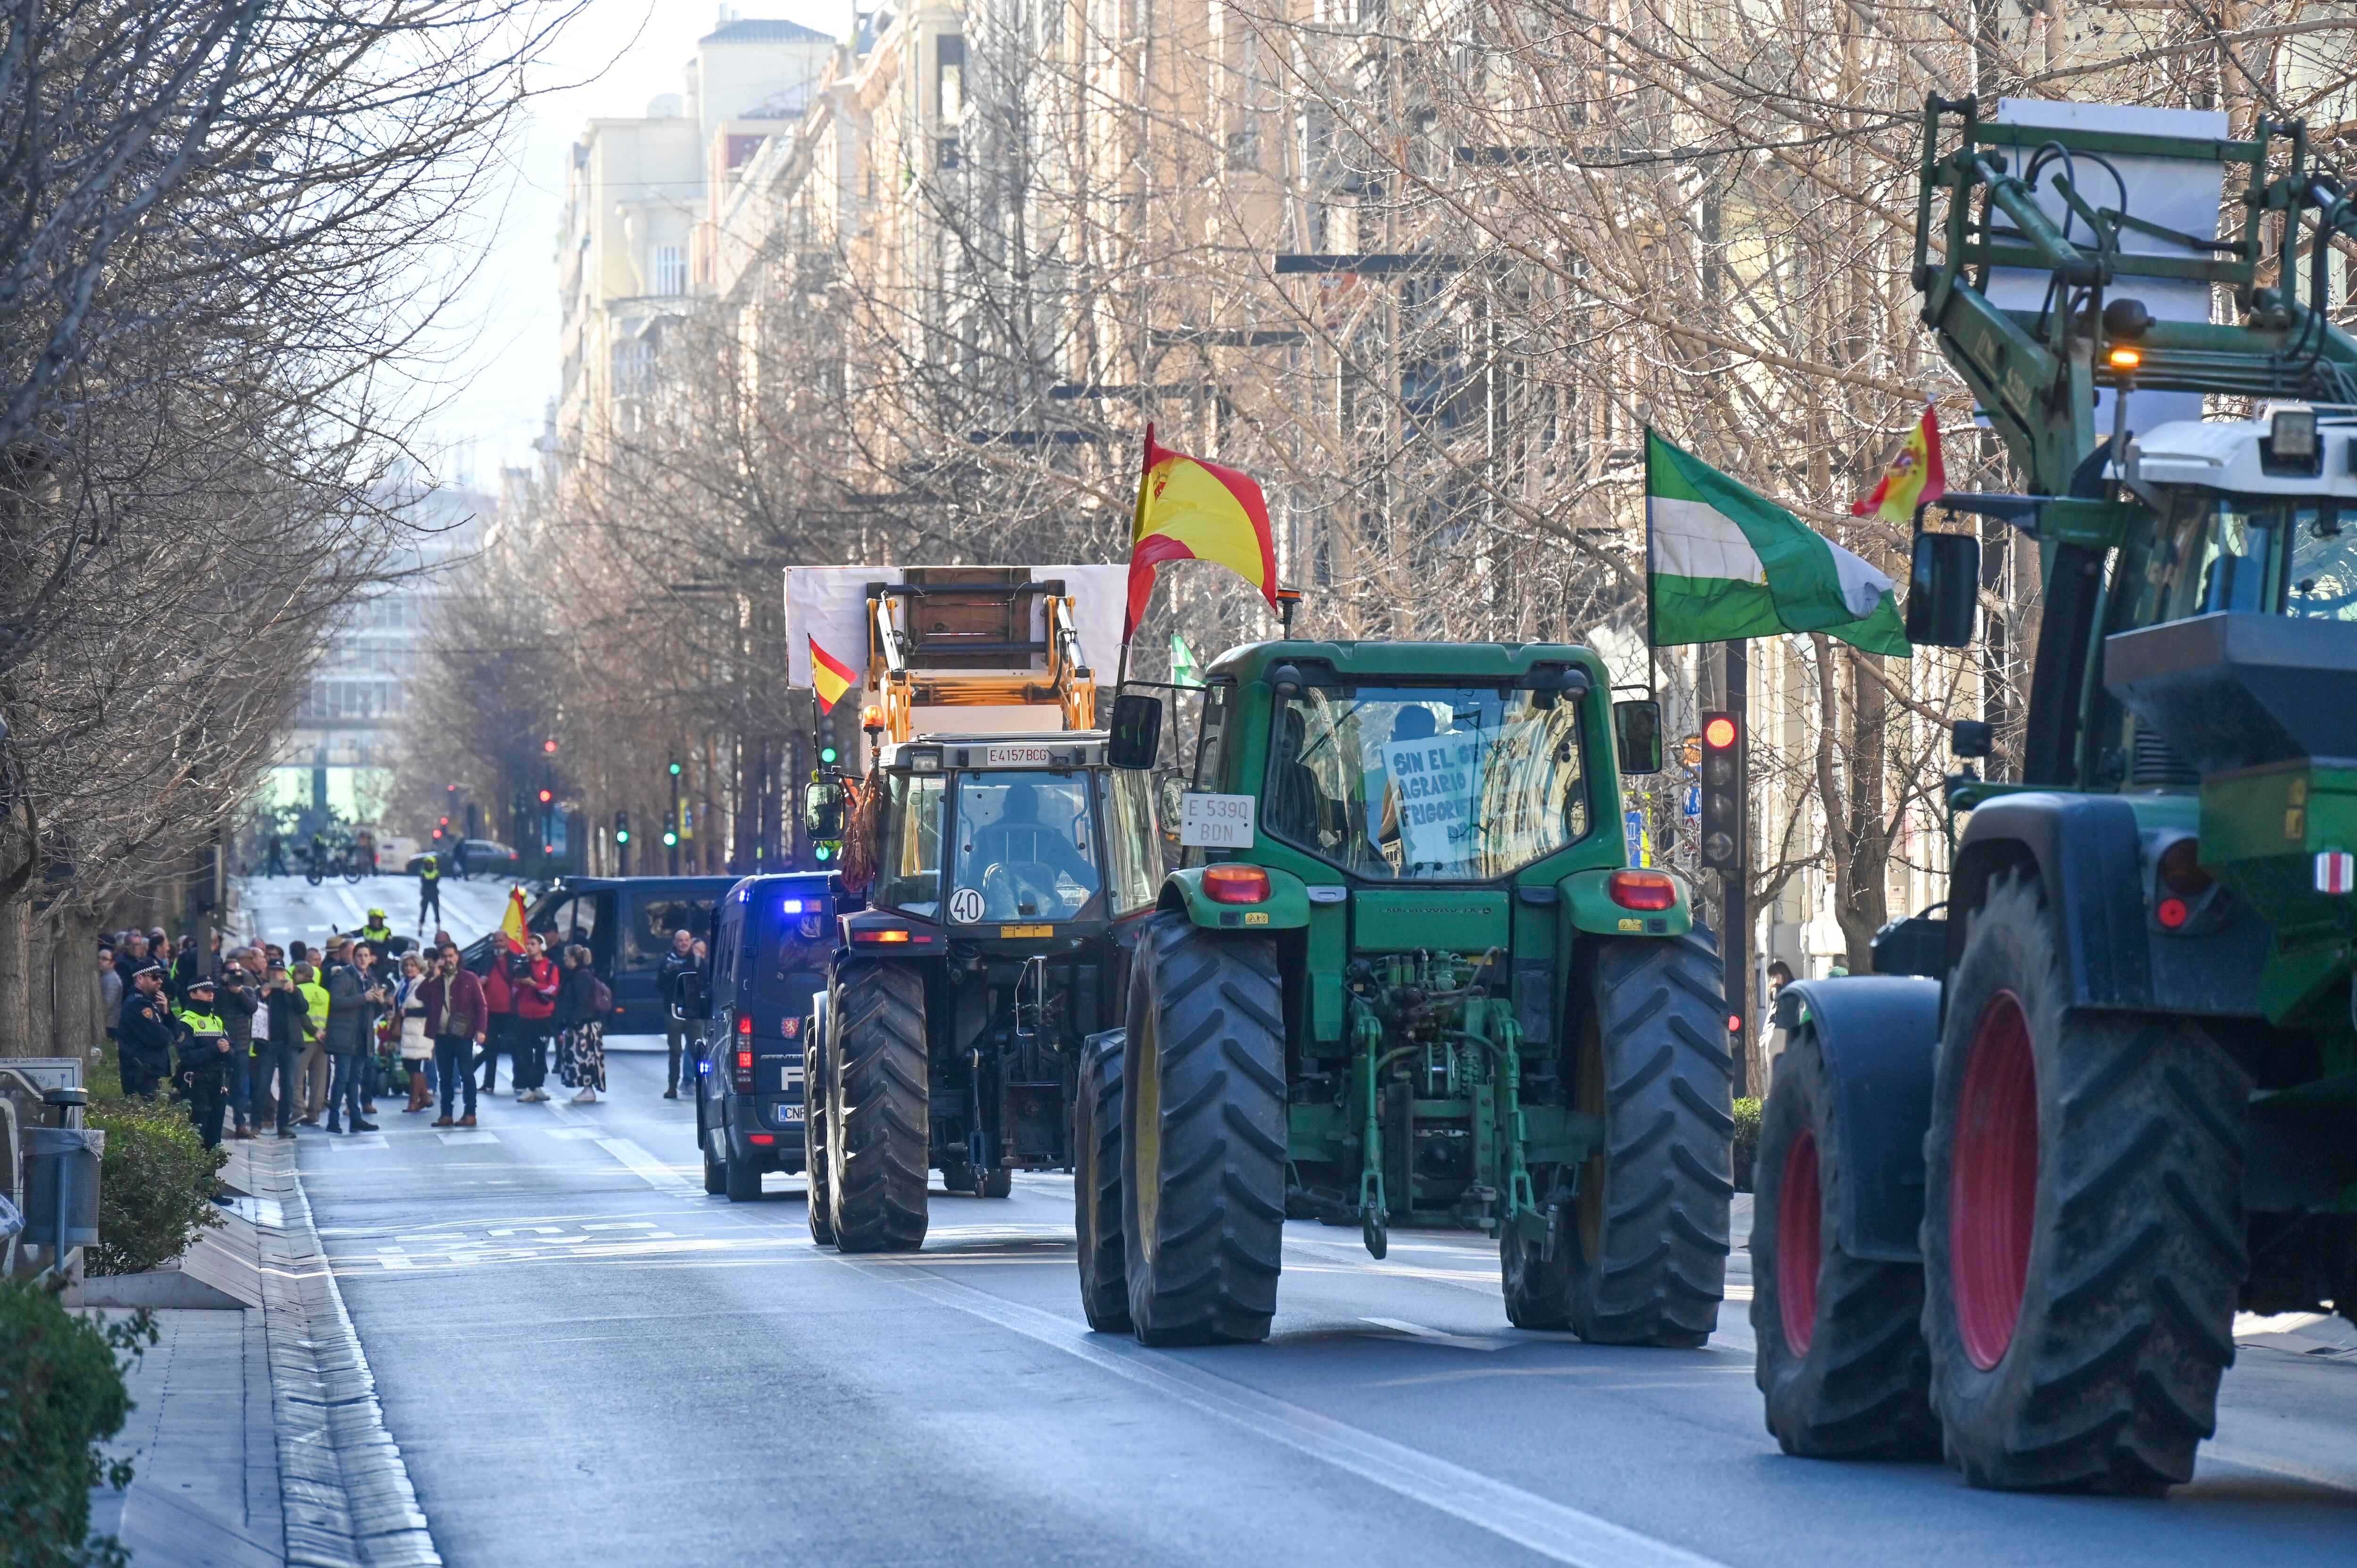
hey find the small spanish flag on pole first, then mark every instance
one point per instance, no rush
(1188, 510)
(830, 677)
(512, 930)
(1917, 476)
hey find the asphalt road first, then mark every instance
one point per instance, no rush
(586, 1360)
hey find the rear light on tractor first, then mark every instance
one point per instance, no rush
(1235, 883)
(893, 934)
(745, 1070)
(1651, 890)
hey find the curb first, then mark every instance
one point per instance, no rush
(345, 1487)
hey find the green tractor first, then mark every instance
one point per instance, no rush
(1407, 976)
(2009, 1208)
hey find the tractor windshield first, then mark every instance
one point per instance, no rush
(1025, 848)
(1439, 783)
(2263, 554)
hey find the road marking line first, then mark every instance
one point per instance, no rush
(1401, 1327)
(1551, 1529)
(471, 1136)
(622, 1225)
(643, 1164)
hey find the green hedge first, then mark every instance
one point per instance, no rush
(1747, 1141)
(156, 1188)
(62, 1394)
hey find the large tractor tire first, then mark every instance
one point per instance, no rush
(2083, 1222)
(1643, 1259)
(877, 1113)
(1841, 1356)
(814, 1164)
(1096, 1189)
(1203, 1131)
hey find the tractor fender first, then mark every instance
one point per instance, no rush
(2088, 854)
(1286, 908)
(1587, 897)
(1878, 1035)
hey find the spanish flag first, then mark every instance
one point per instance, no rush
(1188, 510)
(1917, 476)
(511, 924)
(830, 677)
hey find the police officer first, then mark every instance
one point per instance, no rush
(204, 1059)
(143, 1034)
(429, 889)
(376, 933)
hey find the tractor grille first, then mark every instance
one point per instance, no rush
(2157, 762)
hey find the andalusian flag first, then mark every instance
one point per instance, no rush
(511, 924)
(1722, 565)
(1917, 476)
(1188, 510)
(830, 677)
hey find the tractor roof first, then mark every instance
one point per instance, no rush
(1477, 662)
(2226, 455)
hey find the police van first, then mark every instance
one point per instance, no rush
(770, 938)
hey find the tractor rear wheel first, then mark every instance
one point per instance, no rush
(1646, 1253)
(2083, 1221)
(877, 1114)
(1203, 1131)
(1096, 1189)
(821, 1217)
(1841, 1355)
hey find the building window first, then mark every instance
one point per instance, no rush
(671, 270)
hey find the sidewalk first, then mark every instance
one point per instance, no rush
(256, 1437)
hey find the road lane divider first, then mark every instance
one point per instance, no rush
(1554, 1531)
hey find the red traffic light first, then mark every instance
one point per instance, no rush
(548, 744)
(1718, 733)
(546, 796)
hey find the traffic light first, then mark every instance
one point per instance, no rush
(621, 827)
(549, 745)
(1722, 793)
(671, 838)
(546, 796)
(675, 768)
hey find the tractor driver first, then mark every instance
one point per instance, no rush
(1021, 859)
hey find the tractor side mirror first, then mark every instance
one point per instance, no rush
(823, 809)
(1944, 585)
(1637, 734)
(688, 1002)
(1136, 738)
(1174, 803)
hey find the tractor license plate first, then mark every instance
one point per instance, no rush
(1015, 756)
(1007, 931)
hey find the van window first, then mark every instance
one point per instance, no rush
(793, 954)
(655, 919)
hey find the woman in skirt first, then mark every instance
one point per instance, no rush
(581, 1027)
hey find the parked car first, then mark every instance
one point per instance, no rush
(769, 940)
(626, 923)
(481, 857)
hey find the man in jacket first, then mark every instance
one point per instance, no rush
(204, 1059)
(531, 981)
(236, 1002)
(316, 1068)
(499, 1012)
(679, 960)
(353, 997)
(457, 1017)
(376, 933)
(429, 886)
(281, 1029)
(143, 1034)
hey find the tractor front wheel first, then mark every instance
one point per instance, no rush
(2083, 1221)
(1096, 1189)
(1645, 1254)
(878, 1117)
(1841, 1356)
(1203, 1133)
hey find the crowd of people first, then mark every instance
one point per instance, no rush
(259, 1039)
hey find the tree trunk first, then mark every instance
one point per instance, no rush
(16, 954)
(1861, 897)
(40, 984)
(77, 1028)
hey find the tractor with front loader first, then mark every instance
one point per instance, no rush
(2012, 1190)
(994, 872)
(1407, 976)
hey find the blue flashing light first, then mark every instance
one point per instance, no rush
(791, 906)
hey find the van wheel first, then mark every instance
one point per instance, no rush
(743, 1180)
(715, 1175)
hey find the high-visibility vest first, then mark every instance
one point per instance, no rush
(200, 1024)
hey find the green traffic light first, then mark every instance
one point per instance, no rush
(674, 770)
(621, 835)
(826, 755)
(826, 852)
(670, 838)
